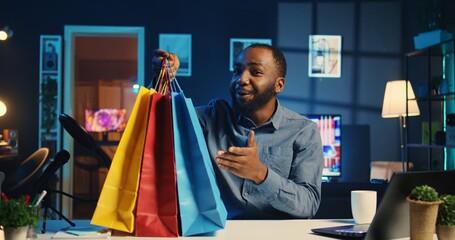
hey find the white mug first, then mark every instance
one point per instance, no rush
(363, 206)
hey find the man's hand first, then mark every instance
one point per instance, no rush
(159, 55)
(243, 161)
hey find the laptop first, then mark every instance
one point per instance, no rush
(392, 217)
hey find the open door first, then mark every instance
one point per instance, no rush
(102, 67)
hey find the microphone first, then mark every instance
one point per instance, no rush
(60, 159)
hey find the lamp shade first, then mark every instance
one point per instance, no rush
(394, 104)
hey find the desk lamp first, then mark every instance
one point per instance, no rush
(394, 105)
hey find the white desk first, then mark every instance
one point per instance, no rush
(238, 229)
(235, 229)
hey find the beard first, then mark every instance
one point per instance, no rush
(260, 99)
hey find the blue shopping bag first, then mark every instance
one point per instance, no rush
(201, 209)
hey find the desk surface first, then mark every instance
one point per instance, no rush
(239, 229)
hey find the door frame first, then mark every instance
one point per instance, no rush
(70, 33)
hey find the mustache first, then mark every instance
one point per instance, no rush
(243, 91)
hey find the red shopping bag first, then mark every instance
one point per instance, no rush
(156, 212)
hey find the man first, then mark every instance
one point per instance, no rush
(268, 159)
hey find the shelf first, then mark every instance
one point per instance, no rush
(418, 145)
(50, 92)
(440, 49)
(50, 72)
(424, 69)
(441, 97)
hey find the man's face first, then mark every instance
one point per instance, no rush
(253, 83)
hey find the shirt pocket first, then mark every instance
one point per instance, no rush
(279, 158)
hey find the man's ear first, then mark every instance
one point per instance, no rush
(279, 84)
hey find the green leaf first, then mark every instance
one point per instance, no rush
(15, 213)
(446, 213)
(424, 193)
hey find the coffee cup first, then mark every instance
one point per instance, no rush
(363, 206)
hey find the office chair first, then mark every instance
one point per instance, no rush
(81, 135)
(22, 180)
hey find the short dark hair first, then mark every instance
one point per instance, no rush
(278, 56)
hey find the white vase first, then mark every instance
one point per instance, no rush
(19, 233)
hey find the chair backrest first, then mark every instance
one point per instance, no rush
(20, 180)
(384, 169)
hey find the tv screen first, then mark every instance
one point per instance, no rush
(330, 129)
(105, 120)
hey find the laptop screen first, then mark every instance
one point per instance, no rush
(392, 217)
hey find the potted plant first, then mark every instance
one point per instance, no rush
(49, 103)
(16, 216)
(423, 205)
(48, 98)
(445, 223)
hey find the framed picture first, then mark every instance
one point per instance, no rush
(238, 44)
(324, 58)
(50, 50)
(181, 45)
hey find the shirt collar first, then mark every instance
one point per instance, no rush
(274, 122)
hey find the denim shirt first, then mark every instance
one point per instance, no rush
(288, 144)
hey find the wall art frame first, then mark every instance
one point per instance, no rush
(324, 58)
(179, 44)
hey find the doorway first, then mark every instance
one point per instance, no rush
(102, 64)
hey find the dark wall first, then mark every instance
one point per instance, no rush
(211, 24)
(373, 47)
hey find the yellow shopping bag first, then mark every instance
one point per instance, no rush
(118, 196)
